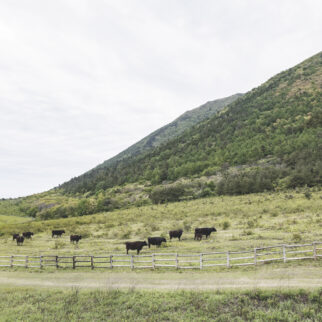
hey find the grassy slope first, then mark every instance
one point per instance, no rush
(115, 305)
(253, 220)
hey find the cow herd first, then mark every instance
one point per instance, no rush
(55, 233)
(136, 245)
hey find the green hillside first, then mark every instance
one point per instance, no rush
(173, 129)
(279, 121)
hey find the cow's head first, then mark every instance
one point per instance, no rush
(79, 237)
(164, 240)
(144, 243)
(213, 229)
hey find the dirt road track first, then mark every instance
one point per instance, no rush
(299, 277)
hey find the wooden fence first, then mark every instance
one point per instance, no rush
(282, 253)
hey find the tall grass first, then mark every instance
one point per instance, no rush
(131, 305)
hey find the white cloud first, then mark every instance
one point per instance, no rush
(82, 80)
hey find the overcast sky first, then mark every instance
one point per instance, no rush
(81, 81)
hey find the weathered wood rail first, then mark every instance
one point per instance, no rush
(256, 256)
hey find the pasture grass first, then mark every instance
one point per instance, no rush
(25, 304)
(242, 223)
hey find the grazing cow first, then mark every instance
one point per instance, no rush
(204, 231)
(75, 238)
(27, 234)
(175, 234)
(20, 240)
(15, 236)
(156, 241)
(198, 236)
(137, 245)
(57, 233)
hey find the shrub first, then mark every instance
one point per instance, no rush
(308, 194)
(167, 194)
(297, 237)
(225, 225)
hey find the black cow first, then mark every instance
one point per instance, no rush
(156, 241)
(20, 240)
(204, 231)
(137, 245)
(27, 234)
(15, 236)
(175, 234)
(57, 233)
(75, 238)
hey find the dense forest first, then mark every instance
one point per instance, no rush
(280, 120)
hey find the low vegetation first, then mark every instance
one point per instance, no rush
(132, 305)
(242, 222)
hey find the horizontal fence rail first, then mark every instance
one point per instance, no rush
(259, 255)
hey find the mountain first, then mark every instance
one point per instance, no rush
(173, 129)
(280, 120)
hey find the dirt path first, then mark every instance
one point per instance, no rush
(300, 277)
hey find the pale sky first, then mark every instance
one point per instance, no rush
(81, 81)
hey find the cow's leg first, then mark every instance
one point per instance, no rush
(137, 251)
(127, 251)
(149, 245)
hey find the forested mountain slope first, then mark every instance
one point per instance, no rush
(173, 129)
(282, 119)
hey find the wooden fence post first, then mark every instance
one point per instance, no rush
(284, 254)
(26, 262)
(255, 256)
(92, 262)
(132, 263)
(74, 262)
(314, 250)
(11, 261)
(177, 261)
(228, 264)
(40, 262)
(57, 261)
(201, 261)
(153, 261)
(111, 261)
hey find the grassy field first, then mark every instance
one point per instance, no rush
(242, 222)
(24, 304)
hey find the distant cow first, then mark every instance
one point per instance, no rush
(15, 236)
(137, 245)
(75, 238)
(204, 231)
(198, 236)
(175, 234)
(20, 240)
(57, 233)
(27, 234)
(156, 241)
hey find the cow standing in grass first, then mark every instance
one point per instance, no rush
(75, 238)
(204, 231)
(15, 236)
(27, 234)
(57, 233)
(156, 241)
(137, 245)
(175, 234)
(20, 240)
